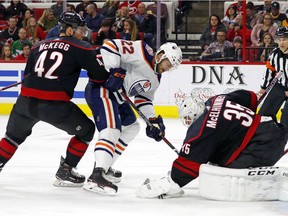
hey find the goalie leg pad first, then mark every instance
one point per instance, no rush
(255, 184)
(161, 188)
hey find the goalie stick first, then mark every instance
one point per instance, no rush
(146, 120)
(10, 86)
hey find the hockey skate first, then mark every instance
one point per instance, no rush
(67, 177)
(113, 175)
(98, 183)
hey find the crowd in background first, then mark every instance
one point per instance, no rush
(130, 20)
(224, 38)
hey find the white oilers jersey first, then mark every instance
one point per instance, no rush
(136, 58)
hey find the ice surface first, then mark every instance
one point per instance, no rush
(26, 181)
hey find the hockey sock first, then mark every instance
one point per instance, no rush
(75, 151)
(119, 149)
(7, 150)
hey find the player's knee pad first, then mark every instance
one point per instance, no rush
(254, 184)
(129, 132)
(89, 133)
(110, 134)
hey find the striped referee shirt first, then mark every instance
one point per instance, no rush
(277, 61)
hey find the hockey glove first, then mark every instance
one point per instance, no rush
(157, 131)
(116, 79)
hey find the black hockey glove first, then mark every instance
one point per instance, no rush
(116, 79)
(158, 130)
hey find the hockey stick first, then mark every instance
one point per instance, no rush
(10, 86)
(146, 119)
(270, 86)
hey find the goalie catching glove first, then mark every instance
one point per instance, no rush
(157, 131)
(116, 79)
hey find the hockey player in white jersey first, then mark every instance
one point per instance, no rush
(135, 70)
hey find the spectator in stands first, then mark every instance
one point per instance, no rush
(130, 31)
(47, 20)
(12, 30)
(152, 9)
(17, 9)
(57, 8)
(265, 8)
(268, 42)
(105, 32)
(238, 6)
(131, 5)
(28, 13)
(25, 52)
(251, 16)
(145, 23)
(216, 50)
(237, 30)
(93, 18)
(3, 12)
(70, 7)
(237, 45)
(34, 32)
(17, 45)
(6, 53)
(260, 29)
(276, 15)
(209, 34)
(109, 9)
(230, 16)
(122, 14)
(81, 7)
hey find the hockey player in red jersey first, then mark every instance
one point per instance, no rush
(225, 131)
(51, 74)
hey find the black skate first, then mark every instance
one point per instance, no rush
(113, 175)
(97, 183)
(67, 177)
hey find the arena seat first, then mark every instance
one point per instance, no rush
(3, 24)
(37, 12)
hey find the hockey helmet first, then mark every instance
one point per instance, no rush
(171, 52)
(190, 110)
(282, 32)
(72, 19)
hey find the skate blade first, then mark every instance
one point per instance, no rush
(113, 179)
(61, 183)
(93, 187)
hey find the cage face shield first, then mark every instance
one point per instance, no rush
(190, 110)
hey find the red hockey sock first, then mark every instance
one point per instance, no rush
(7, 150)
(75, 151)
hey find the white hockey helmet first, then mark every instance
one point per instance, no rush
(170, 51)
(190, 110)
